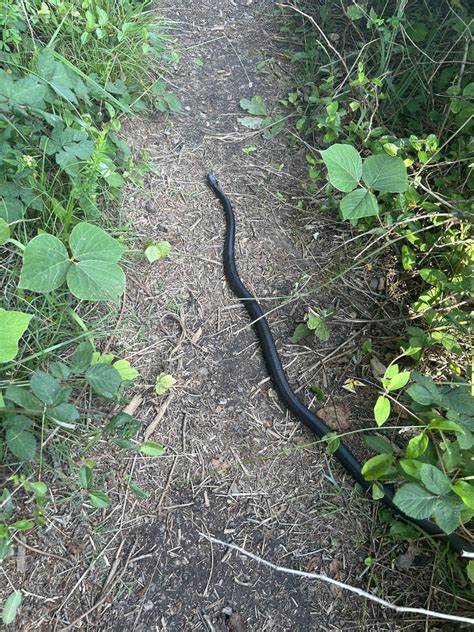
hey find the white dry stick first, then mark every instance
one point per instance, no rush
(329, 580)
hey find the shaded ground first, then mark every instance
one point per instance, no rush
(237, 465)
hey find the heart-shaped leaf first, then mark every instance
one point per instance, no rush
(384, 173)
(344, 166)
(359, 203)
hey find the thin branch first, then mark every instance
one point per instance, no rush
(334, 582)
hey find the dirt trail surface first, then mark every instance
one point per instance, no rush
(236, 466)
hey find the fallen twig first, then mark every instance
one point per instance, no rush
(335, 582)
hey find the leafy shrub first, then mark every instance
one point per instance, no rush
(67, 71)
(402, 162)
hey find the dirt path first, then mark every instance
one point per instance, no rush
(223, 427)
(237, 465)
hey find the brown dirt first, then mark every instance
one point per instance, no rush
(237, 465)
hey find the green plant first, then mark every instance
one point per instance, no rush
(403, 163)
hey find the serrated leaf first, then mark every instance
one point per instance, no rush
(384, 173)
(359, 203)
(45, 387)
(344, 166)
(104, 380)
(22, 397)
(381, 410)
(10, 607)
(82, 356)
(447, 515)
(13, 325)
(163, 383)
(415, 501)
(434, 479)
(423, 393)
(63, 414)
(98, 499)
(127, 372)
(377, 466)
(151, 448)
(45, 264)
(21, 443)
(255, 105)
(412, 467)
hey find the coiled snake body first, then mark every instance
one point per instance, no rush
(280, 381)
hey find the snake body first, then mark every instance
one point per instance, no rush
(275, 369)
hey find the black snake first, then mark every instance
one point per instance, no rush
(282, 386)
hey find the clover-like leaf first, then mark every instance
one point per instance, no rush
(12, 327)
(45, 264)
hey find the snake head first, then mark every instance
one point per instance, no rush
(212, 180)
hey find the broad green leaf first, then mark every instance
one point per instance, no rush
(379, 444)
(398, 381)
(381, 410)
(82, 356)
(152, 449)
(434, 479)
(163, 383)
(22, 397)
(408, 257)
(10, 607)
(333, 441)
(96, 280)
(412, 467)
(57, 74)
(12, 327)
(103, 379)
(45, 264)
(39, 488)
(5, 547)
(28, 91)
(465, 491)
(433, 276)
(156, 251)
(423, 393)
(59, 370)
(300, 332)
(4, 231)
(99, 499)
(45, 387)
(22, 525)
(403, 531)
(359, 203)
(91, 243)
(319, 327)
(21, 443)
(344, 167)
(459, 400)
(11, 209)
(415, 501)
(445, 424)
(85, 476)
(377, 466)
(470, 571)
(63, 414)
(173, 102)
(447, 515)
(252, 122)
(417, 446)
(255, 105)
(122, 425)
(127, 372)
(384, 173)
